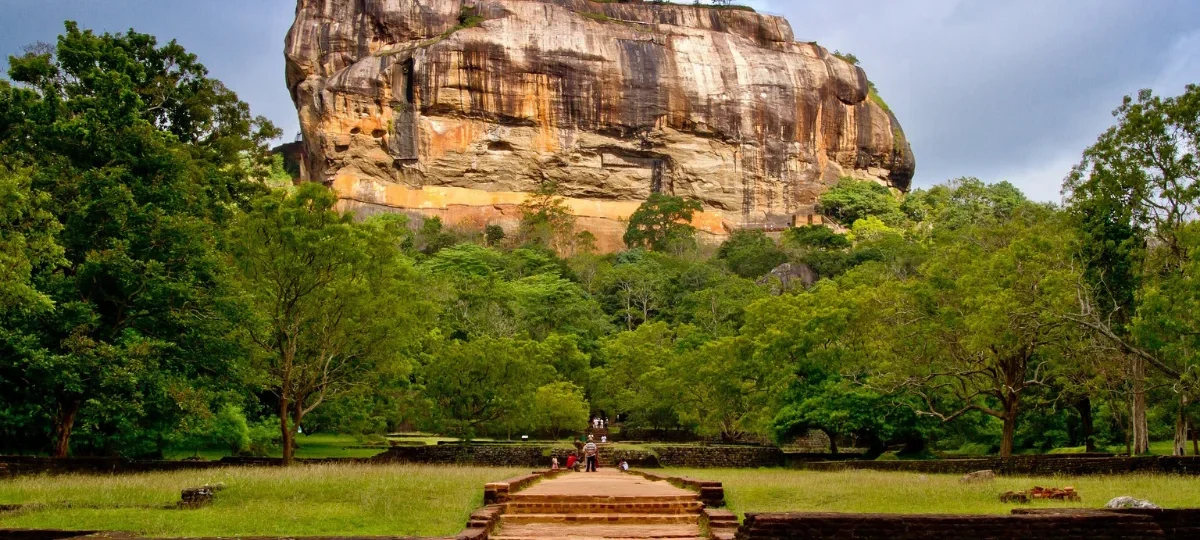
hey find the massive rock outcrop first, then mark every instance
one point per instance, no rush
(458, 107)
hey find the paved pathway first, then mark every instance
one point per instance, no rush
(604, 505)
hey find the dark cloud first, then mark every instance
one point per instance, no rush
(1010, 89)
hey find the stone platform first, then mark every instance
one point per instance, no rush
(603, 505)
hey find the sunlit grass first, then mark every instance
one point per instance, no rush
(778, 490)
(392, 500)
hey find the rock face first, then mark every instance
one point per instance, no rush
(457, 108)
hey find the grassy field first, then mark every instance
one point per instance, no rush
(774, 490)
(300, 501)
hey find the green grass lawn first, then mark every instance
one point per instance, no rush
(775, 490)
(394, 500)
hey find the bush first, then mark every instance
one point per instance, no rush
(230, 428)
(264, 438)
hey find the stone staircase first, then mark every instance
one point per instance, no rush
(611, 512)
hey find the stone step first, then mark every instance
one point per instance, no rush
(612, 519)
(587, 499)
(604, 507)
(540, 531)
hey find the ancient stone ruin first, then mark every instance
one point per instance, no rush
(457, 108)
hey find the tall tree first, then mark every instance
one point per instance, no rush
(142, 159)
(336, 301)
(1135, 190)
(986, 321)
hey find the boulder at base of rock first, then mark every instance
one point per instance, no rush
(979, 477)
(1126, 503)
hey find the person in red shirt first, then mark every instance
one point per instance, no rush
(571, 461)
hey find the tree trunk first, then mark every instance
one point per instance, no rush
(1141, 429)
(1195, 440)
(1181, 427)
(1084, 406)
(1010, 426)
(64, 424)
(833, 449)
(289, 451)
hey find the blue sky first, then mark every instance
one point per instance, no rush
(1010, 90)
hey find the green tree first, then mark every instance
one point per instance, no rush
(989, 315)
(335, 300)
(960, 203)
(751, 254)
(724, 389)
(633, 379)
(547, 220)
(851, 200)
(142, 159)
(663, 223)
(560, 407)
(481, 386)
(635, 289)
(493, 235)
(1134, 193)
(27, 240)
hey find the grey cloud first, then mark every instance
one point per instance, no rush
(1007, 90)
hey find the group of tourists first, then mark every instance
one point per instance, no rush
(590, 457)
(599, 423)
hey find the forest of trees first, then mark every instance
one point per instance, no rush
(156, 293)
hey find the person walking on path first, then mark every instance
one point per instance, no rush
(590, 451)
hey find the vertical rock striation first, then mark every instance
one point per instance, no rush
(457, 108)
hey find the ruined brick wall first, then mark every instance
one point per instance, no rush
(697, 456)
(1070, 525)
(1022, 465)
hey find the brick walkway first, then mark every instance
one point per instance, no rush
(604, 505)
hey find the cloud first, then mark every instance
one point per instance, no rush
(1007, 90)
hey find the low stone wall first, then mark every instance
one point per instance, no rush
(490, 455)
(689, 456)
(1023, 465)
(724, 457)
(1050, 525)
(25, 465)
